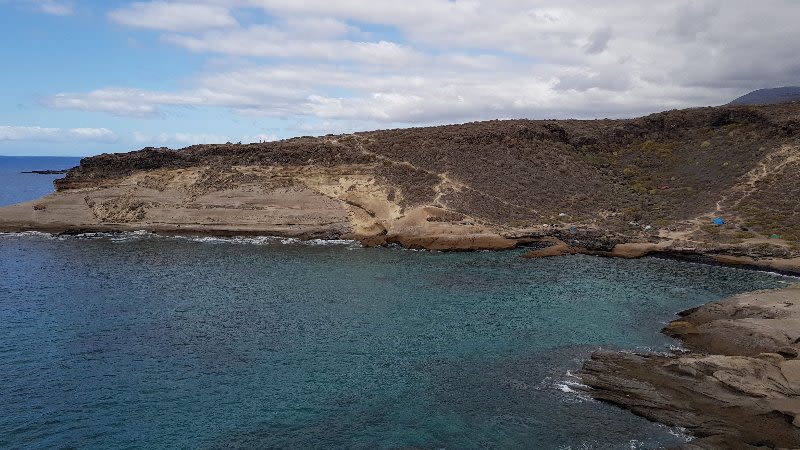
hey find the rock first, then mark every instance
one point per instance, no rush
(772, 357)
(372, 186)
(557, 247)
(737, 398)
(48, 172)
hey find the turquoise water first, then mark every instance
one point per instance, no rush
(137, 341)
(134, 341)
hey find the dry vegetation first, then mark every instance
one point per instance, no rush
(660, 170)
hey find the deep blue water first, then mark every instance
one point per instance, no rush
(16, 187)
(137, 341)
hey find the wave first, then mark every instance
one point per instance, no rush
(138, 235)
(26, 234)
(574, 388)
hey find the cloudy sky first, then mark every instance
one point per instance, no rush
(84, 77)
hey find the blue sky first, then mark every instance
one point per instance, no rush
(85, 77)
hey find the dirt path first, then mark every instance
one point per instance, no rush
(446, 181)
(772, 164)
(769, 166)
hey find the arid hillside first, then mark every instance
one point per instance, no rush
(656, 179)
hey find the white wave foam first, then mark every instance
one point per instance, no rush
(564, 387)
(27, 234)
(128, 236)
(264, 240)
(679, 432)
(574, 387)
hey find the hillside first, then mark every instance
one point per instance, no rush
(769, 96)
(658, 181)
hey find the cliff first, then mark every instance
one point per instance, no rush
(649, 184)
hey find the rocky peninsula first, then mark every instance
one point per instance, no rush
(616, 187)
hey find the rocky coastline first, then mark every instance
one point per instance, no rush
(720, 182)
(716, 183)
(737, 385)
(47, 172)
(744, 256)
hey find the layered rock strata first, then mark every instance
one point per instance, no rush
(738, 386)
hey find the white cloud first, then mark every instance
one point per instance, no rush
(23, 133)
(173, 16)
(434, 61)
(119, 101)
(54, 7)
(179, 138)
(270, 42)
(182, 139)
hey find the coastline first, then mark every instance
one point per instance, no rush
(551, 245)
(658, 387)
(736, 386)
(704, 252)
(717, 182)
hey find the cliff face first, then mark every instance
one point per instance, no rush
(659, 179)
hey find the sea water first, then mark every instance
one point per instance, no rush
(139, 341)
(16, 186)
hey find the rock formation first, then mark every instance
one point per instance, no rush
(737, 387)
(627, 187)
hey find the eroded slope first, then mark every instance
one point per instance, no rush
(659, 179)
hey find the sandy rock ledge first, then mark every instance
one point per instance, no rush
(738, 387)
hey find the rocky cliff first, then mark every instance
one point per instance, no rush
(654, 182)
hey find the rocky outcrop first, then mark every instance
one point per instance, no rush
(300, 201)
(613, 187)
(737, 387)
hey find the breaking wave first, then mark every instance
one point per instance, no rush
(132, 236)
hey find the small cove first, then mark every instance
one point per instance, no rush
(135, 340)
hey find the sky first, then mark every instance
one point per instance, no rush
(93, 76)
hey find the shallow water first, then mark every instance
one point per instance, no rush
(136, 341)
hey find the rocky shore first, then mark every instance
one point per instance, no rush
(742, 255)
(720, 182)
(736, 387)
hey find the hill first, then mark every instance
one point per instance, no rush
(652, 184)
(769, 96)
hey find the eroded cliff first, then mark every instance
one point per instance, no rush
(654, 182)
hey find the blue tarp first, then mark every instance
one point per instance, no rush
(719, 221)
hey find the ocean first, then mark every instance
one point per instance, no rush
(139, 341)
(16, 187)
